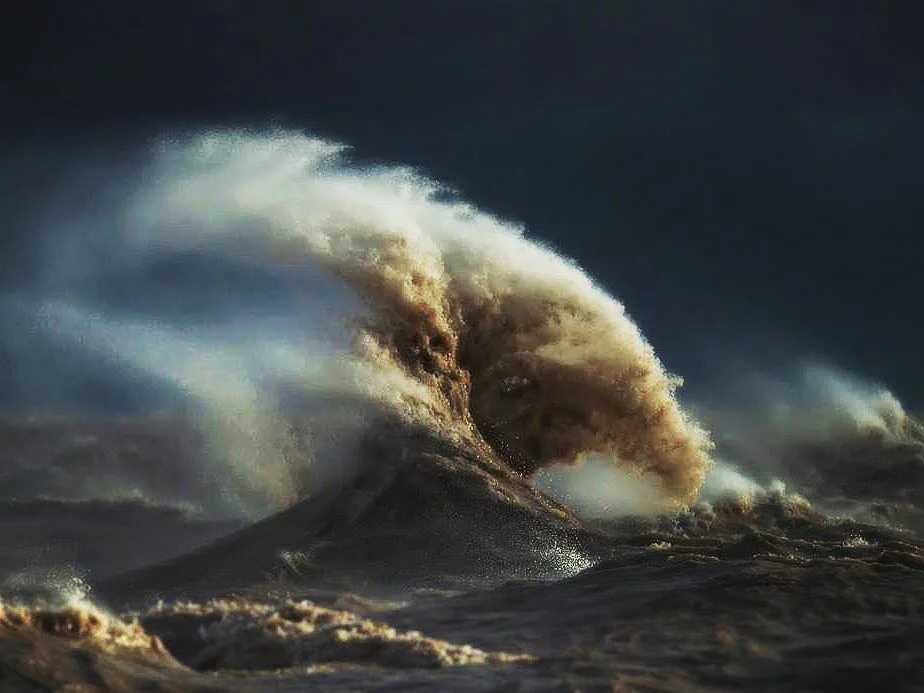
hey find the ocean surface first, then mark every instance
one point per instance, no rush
(437, 569)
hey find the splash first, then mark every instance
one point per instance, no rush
(466, 325)
(455, 321)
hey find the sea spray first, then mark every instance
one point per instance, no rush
(467, 325)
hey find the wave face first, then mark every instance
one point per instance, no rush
(466, 325)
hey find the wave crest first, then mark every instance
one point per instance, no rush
(501, 343)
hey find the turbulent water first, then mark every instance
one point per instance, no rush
(453, 462)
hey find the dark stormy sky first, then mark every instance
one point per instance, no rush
(745, 176)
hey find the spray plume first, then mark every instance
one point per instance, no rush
(468, 326)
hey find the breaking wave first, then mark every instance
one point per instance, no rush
(466, 325)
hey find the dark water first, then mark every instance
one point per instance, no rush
(436, 568)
